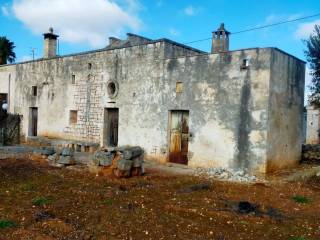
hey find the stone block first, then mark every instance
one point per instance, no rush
(132, 152)
(53, 158)
(124, 165)
(137, 162)
(67, 152)
(47, 151)
(102, 158)
(66, 160)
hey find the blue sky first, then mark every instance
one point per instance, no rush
(85, 25)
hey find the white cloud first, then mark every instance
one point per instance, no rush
(191, 10)
(305, 29)
(79, 21)
(174, 32)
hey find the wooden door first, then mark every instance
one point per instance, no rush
(33, 121)
(111, 127)
(179, 137)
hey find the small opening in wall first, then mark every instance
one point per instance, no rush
(73, 79)
(89, 66)
(112, 89)
(34, 91)
(245, 64)
(179, 87)
(73, 117)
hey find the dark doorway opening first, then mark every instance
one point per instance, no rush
(3, 99)
(179, 136)
(111, 123)
(33, 121)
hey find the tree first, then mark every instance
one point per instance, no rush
(6, 51)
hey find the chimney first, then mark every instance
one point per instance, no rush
(114, 41)
(220, 40)
(50, 44)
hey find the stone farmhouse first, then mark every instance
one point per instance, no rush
(240, 109)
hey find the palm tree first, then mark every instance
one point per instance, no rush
(6, 51)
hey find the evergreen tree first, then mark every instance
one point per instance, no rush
(6, 51)
(313, 57)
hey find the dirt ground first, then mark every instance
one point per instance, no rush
(40, 202)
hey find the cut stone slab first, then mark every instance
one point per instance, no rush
(66, 160)
(103, 158)
(137, 162)
(53, 158)
(67, 152)
(124, 165)
(132, 152)
(47, 151)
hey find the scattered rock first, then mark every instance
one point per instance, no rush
(43, 215)
(66, 160)
(245, 207)
(225, 174)
(196, 187)
(67, 152)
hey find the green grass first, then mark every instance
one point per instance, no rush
(297, 238)
(41, 201)
(7, 224)
(107, 202)
(301, 199)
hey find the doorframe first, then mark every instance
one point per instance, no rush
(169, 130)
(30, 130)
(104, 128)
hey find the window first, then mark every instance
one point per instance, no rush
(89, 66)
(73, 79)
(34, 91)
(245, 64)
(179, 87)
(112, 89)
(73, 116)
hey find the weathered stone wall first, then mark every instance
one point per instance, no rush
(312, 125)
(7, 83)
(228, 104)
(285, 134)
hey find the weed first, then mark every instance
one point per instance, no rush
(297, 238)
(107, 202)
(7, 224)
(301, 199)
(41, 201)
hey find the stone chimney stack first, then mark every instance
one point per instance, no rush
(50, 44)
(220, 40)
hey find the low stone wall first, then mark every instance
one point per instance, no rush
(311, 153)
(10, 129)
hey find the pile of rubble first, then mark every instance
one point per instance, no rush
(56, 156)
(121, 161)
(225, 174)
(118, 161)
(311, 153)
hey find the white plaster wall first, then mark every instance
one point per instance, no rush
(313, 125)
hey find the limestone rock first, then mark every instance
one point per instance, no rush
(66, 160)
(124, 165)
(67, 152)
